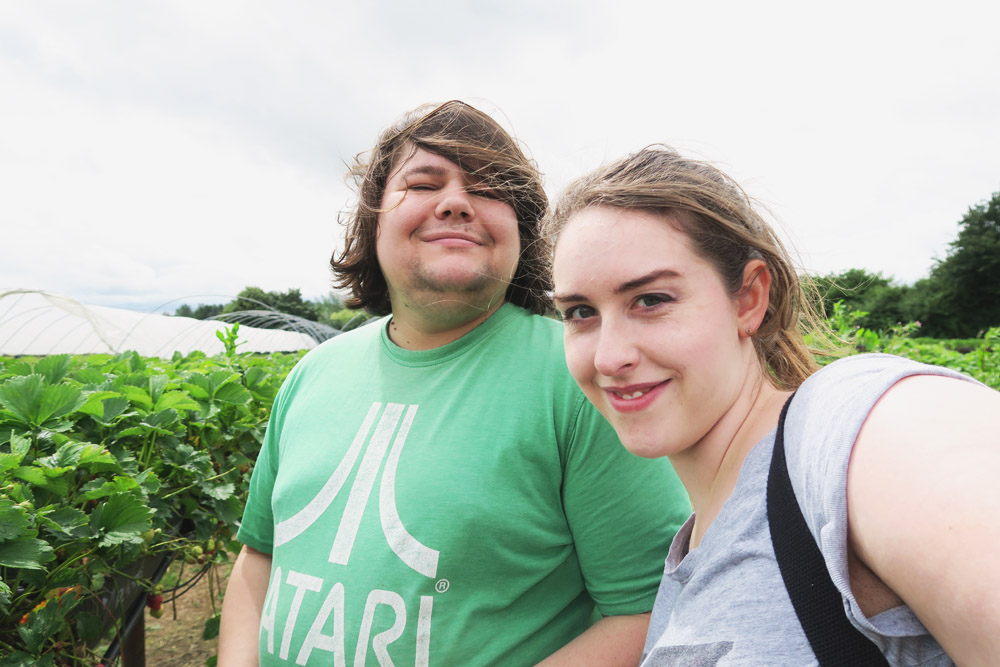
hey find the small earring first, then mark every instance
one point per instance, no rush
(749, 333)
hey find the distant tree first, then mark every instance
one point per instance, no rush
(291, 302)
(205, 310)
(202, 312)
(861, 290)
(848, 286)
(328, 305)
(331, 311)
(963, 295)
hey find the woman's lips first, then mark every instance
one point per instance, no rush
(634, 397)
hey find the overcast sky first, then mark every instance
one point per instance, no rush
(156, 152)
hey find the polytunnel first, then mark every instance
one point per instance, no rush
(37, 322)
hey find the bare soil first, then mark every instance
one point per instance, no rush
(174, 639)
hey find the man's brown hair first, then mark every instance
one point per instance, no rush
(487, 154)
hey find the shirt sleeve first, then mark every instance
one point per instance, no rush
(623, 511)
(823, 422)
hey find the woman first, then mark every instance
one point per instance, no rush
(684, 323)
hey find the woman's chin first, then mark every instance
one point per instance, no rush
(642, 447)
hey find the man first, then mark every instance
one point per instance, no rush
(434, 488)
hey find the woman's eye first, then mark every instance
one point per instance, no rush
(652, 300)
(420, 186)
(578, 313)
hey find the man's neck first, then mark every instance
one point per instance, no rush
(426, 329)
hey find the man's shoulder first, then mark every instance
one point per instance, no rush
(525, 323)
(346, 345)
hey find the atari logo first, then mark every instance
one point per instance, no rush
(414, 554)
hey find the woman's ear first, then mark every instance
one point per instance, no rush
(753, 297)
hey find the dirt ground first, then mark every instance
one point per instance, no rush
(178, 643)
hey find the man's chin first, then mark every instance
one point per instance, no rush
(480, 294)
(459, 282)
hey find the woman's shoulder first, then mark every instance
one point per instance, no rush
(854, 384)
(873, 367)
(923, 496)
(831, 406)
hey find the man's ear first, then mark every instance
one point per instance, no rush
(753, 297)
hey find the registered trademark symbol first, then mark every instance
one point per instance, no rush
(442, 585)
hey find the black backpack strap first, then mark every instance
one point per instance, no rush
(816, 600)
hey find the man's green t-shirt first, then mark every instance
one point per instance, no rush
(458, 506)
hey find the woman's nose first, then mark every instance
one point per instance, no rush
(616, 353)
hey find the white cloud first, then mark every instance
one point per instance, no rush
(157, 151)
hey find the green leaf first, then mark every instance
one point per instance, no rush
(53, 368)
(162, 421)
(22, 659)
(187, 458)
(63, 521)
(138, 396)
(149, 482)
(178, 400)
(97, 457)
(157, 383)
(229, 510)
(45, 622)
(218, 491)
(22, 395)
(121, 518)
(233, 393)
(255, 375)
(14, 521)
(120, 484)
(20, 445)
(89, 376)
(85, 454)
(198, 386)
(39, 405)
(133, 361)
(27, 553)
(88, 627)
(105, 406)
(59, 400)
(9, 461)
(51, 479)
(30, 474)
(19, 367)
(5, 597)
(211, 630)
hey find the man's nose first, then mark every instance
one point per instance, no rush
(455, 203)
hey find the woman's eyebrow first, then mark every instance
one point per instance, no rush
(641, 281)
(626, 286)
(566, 298)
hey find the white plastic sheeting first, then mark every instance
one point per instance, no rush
(35, 322)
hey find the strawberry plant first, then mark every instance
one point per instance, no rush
(107, 462)
(978, 358)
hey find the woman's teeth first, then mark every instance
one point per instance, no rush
(633, 395)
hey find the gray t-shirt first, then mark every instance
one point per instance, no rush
(725, 602)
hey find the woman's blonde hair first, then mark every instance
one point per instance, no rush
(726, 230)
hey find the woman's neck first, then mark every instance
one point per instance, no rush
(711, 468)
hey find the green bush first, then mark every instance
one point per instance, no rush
(107, 461)
(977, 357)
